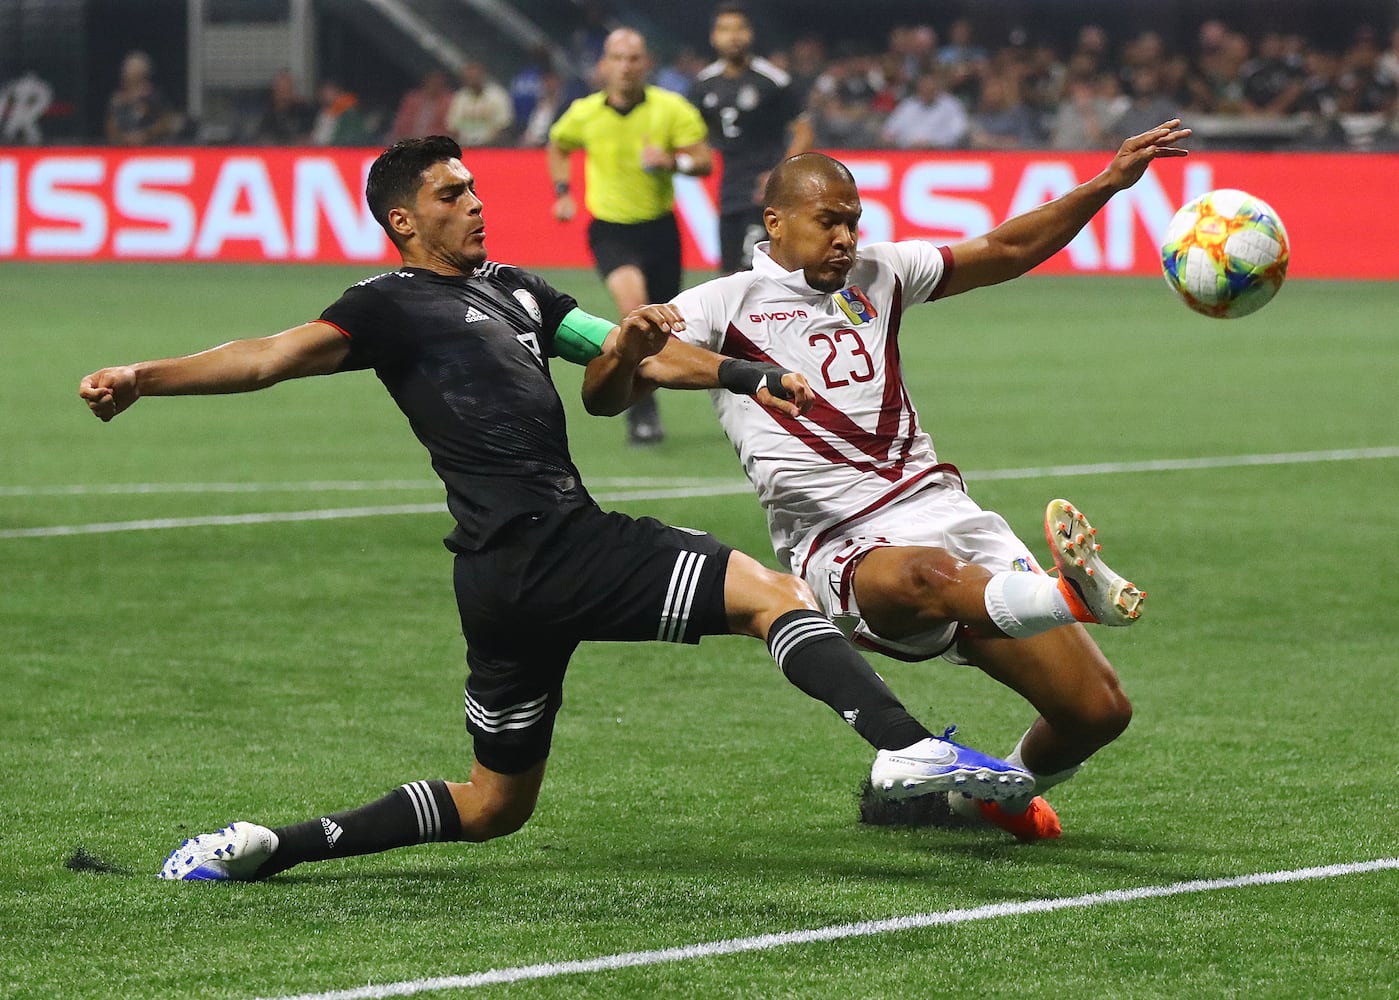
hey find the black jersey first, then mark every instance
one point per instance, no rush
(748, 116)
(466, 360)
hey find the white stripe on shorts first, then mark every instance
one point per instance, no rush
(520, 716)
(680, 597)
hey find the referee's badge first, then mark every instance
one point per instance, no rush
(857, 308)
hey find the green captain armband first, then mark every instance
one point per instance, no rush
(580, 336)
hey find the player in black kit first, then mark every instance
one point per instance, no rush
(756, 120)
(463, 346)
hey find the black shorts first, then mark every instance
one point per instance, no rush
(739, 232)
(551, 581)
(652, 246)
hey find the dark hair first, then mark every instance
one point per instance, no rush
(739, 9)
(397, 173)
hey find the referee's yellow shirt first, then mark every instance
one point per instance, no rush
(618, 190)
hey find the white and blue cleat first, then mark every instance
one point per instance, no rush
(233, 854)
(937, 764)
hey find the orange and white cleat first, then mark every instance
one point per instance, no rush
(1038, 821)
(1094, 592)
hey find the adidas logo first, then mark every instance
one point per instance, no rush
(474, 315)
(332, 830)
(851, 715)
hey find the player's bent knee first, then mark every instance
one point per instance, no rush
(496, 818)
(1104, 717)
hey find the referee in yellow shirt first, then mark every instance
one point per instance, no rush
(635, 139)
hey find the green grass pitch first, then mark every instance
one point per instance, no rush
(160, 683)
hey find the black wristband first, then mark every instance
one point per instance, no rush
(747, 378)
(560, 188)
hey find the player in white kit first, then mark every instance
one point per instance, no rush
(858, 503)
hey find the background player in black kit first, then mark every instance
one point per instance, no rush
(756, 120)
(462, 345)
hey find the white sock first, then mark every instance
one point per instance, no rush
(1043, 782)
(1026, 604)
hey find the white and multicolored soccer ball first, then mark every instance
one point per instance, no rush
(1225, 253)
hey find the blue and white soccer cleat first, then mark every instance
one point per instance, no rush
(937, 764)
(233, 854)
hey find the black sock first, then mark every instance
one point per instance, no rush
(415, 813)
(817, 658)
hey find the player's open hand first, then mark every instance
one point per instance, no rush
(109, 391)
(798, 400)
(645, 330)
(1137, 152)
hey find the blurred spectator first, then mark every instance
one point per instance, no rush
(1001, 120)
(961, 51)
(137, 113)
(549, 103)
(1148, 108)
(678, 75)
(525, 85)
(1389, 61)
(840, 104)
(423, 110)
(929, 119)
(287, 118)
(1273, 80)
(806, 61)
(340, 121)
(481, 112)
(1363, 87)
(586, 42)
(1085, 116)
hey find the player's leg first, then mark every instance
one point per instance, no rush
(816, 657)
(627, 286)
(620, 260)
(487, 805)
(906, 589)
(1069, 681)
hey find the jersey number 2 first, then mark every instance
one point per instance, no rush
(857, 361)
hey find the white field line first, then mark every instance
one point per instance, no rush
(766, 942)
(643, 489)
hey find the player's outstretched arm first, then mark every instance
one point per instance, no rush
(609, 381)
(1024, 242)
(640, 355)
(239, 366)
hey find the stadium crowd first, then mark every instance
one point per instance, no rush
(921, 89)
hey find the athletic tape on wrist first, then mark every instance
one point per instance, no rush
(748, 378)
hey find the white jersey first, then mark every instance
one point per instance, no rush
(860, 448)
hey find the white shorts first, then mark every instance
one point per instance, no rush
(941, 517)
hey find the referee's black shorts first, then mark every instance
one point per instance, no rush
(653, 246)
(550, 581)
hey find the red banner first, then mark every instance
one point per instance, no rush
(303, 205)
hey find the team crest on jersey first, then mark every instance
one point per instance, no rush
(530, 303)
(1021, 565)
(857, 308)
(747, 98)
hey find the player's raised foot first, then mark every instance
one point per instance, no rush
(233, 854)
(1094, 592)
(937, 764)
(1036, 820)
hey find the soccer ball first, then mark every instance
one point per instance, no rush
(1225, 253)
